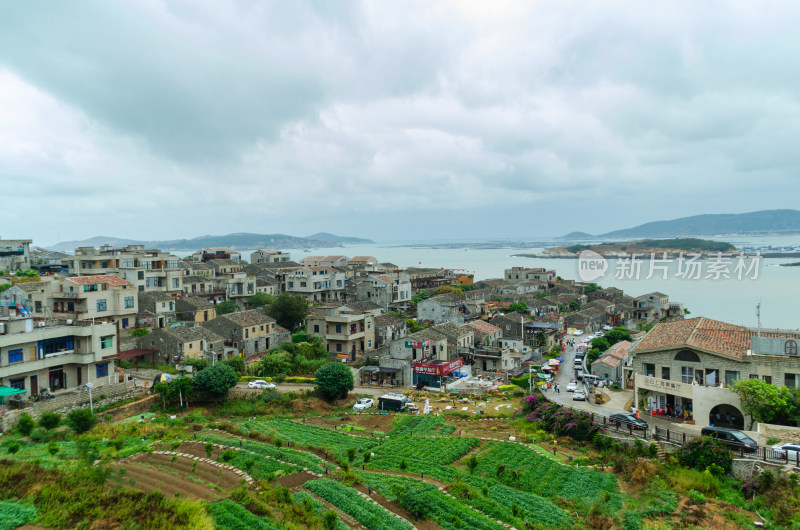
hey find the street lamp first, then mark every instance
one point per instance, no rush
(91, 406)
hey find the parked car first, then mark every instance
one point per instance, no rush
(607, 328)
(572, 386)
(260, 383)
(733, 438)
(789, 449)
(577, 333)
(623, 419)
(579, 374)
(579, 395)
(364, 404)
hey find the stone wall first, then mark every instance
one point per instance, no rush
(781, 432)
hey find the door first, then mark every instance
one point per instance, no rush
(80, 376)
(34, 385)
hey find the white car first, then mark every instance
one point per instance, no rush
(781, 450)
(260, 383)
(607, 328)
(579, 395)
(364, 404)
(598, 333)
(572, 386)
(577, 333)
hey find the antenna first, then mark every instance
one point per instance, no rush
(758, 316)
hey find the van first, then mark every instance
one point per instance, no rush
(733, 438)
(591, 379)
(579, 374)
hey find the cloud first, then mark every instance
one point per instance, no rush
(291, 117)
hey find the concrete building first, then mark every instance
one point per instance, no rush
(249, 332)
(181, 343)
(347, 334)
(15, 254)
(55, 355)
(102, 298)
(316, 284)
(210, 253)
(269, 255)
(521, 274)
(325, 261)
(485, 334)
(692, 364)
(146, 269)
(389, 328)
(386, 290)
(610, 364)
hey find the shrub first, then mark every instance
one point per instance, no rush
(773, 441)
(81, 420)
(696, 497)
(13, 447)
(50, 420)
(215, 381)
(702, 453)
(209, 447)
(228, 455)
(38, 434)
(25, 424)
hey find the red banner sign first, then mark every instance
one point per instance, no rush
(438, 369)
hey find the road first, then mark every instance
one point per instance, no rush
(287, 387)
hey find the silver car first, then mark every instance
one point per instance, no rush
(260, 383)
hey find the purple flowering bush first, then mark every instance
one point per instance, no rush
(559, 420)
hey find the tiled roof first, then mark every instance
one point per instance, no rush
(190, 334)
(197, 265)
(333, 258)
(361, 258)
(311, 258)
(445, 299)
(30, 287)
(619, 350)
(427, 334)
(484, 327)
(224, 263)
(155, 296)
(712, 336)
(195, 279)
(196, 302)
(245, 319)
(608, 360)
(450, 329)
(113, 281)
(385, 278)
(363, 307)
(322, 268)
(389, 320)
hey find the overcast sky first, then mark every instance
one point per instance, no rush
(392, 120)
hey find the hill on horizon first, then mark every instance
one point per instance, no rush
(240, 240)
(752, 223)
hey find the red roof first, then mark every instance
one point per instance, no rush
(114, 281)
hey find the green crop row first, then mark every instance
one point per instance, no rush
(418, 425)
(519, 467)
(362, 510)
(258, 467)
(286, 454)
(14, 514)
(310, 436)
(228, 515)
(425, 501)
(317, 507)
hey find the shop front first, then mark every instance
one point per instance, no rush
(435, 373)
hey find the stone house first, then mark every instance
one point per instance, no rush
(518, 274)
(442, 308)
(156, 309)
(201, 286)
(197, 268)
(389, 328)
(484, 333)
(385, 290)
(194, 309)
(460, 339)
(269, 255)
(181, 343)
(692, 364)
(249, 332)
(610, 364)
(316, 284)
(347, 334)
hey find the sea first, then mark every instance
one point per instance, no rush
(775, 289)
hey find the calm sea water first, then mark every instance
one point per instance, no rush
(734, 301)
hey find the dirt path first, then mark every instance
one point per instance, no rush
(429, 480)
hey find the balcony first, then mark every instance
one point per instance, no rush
(345, 335)
(71, 296)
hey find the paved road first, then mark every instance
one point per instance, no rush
(367, 390)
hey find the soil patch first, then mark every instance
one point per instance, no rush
(296, 480)
(147, 478)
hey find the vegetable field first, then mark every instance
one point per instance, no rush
(350, 502)
(14, 514)
(228, 515)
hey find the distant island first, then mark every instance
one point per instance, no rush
(240, 240)
(766, 222)
(650, 246)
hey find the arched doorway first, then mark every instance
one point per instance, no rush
(726, 416)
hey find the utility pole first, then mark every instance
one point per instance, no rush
(91, 406)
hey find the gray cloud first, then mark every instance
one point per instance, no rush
(296, 116)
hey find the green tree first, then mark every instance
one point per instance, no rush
(518, 307)
(290, 311)
(617, 335)
(4, 286)
(50, 420)
(591, 356)
(197, 364)
(237, 363)
(25, 424)
(600, 343)
(591, 287)
(761, 400)
(540, 339)
(448, 289)
(215, 381)
(260, 300)
(81, 420)
(705, 452)
(574, 305)
(140, 332)
(333, 381)
(228, 306)
(172, 391)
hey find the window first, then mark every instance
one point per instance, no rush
(369, 344)
(665, 372)
(338, 328)
(339, 347)
(767, 379)
(151, 282)
(37, 306)
(792, 380)
(90, 288)
(126, 263)
(48, 347)
(687, 374)
(176, 283)
(753, 376)
(102, 369)
(107, 342)
(790, 347)
(369, 325)
(101, 304)
(649, 369)
(316, 328)
(19, 384)
(128, 302)
(14, 356)
(687, 356)
(140, 275)
(124, 322)
(731, 376)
